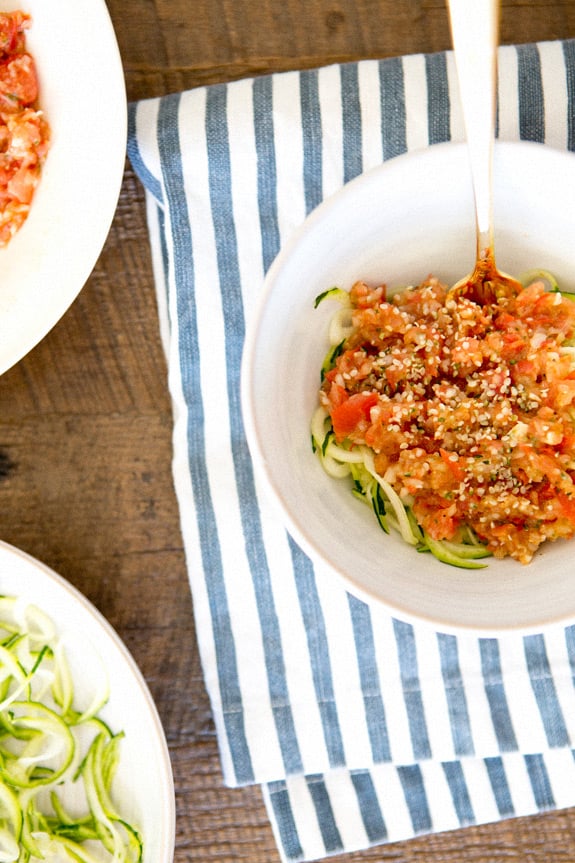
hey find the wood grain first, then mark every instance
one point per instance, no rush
(85, 424)
(196, 42)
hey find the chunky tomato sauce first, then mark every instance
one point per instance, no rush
(469, 409)
(24, 132)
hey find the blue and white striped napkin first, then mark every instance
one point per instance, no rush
(361, 729)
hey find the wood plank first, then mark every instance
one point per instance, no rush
(202, 43)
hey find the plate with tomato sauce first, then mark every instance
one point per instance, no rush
(80, 142)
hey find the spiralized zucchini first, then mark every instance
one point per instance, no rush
(57, 764)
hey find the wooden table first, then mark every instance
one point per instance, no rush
(85, 426)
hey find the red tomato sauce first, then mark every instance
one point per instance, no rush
(469, 409)
(24, 131)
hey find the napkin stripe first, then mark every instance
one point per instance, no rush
(570, 646)
(318, 646)
(325, 815)
(151, 183)
(496, 695)
(545, 692)
(455, 694)
(415, 793)
(267, 169)
(407, 651)
(160, 264)
(500, 786)
(459, 792)
(438, 102)
(531, 108)
(368, 672)
(370, 809)
(569, 57)
(351, 121)
(312, 136)
(284, 821)
(539, 778)
(392, 101)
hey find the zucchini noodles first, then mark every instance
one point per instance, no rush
(57, 763)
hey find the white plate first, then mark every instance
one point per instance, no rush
(83, 96)
(143, 785)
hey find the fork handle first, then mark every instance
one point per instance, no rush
(474, 30)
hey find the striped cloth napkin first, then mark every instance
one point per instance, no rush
(360, 728)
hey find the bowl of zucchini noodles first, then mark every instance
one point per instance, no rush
(402, 225)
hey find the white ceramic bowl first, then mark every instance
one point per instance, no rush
(83, 96)
(396, 224)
